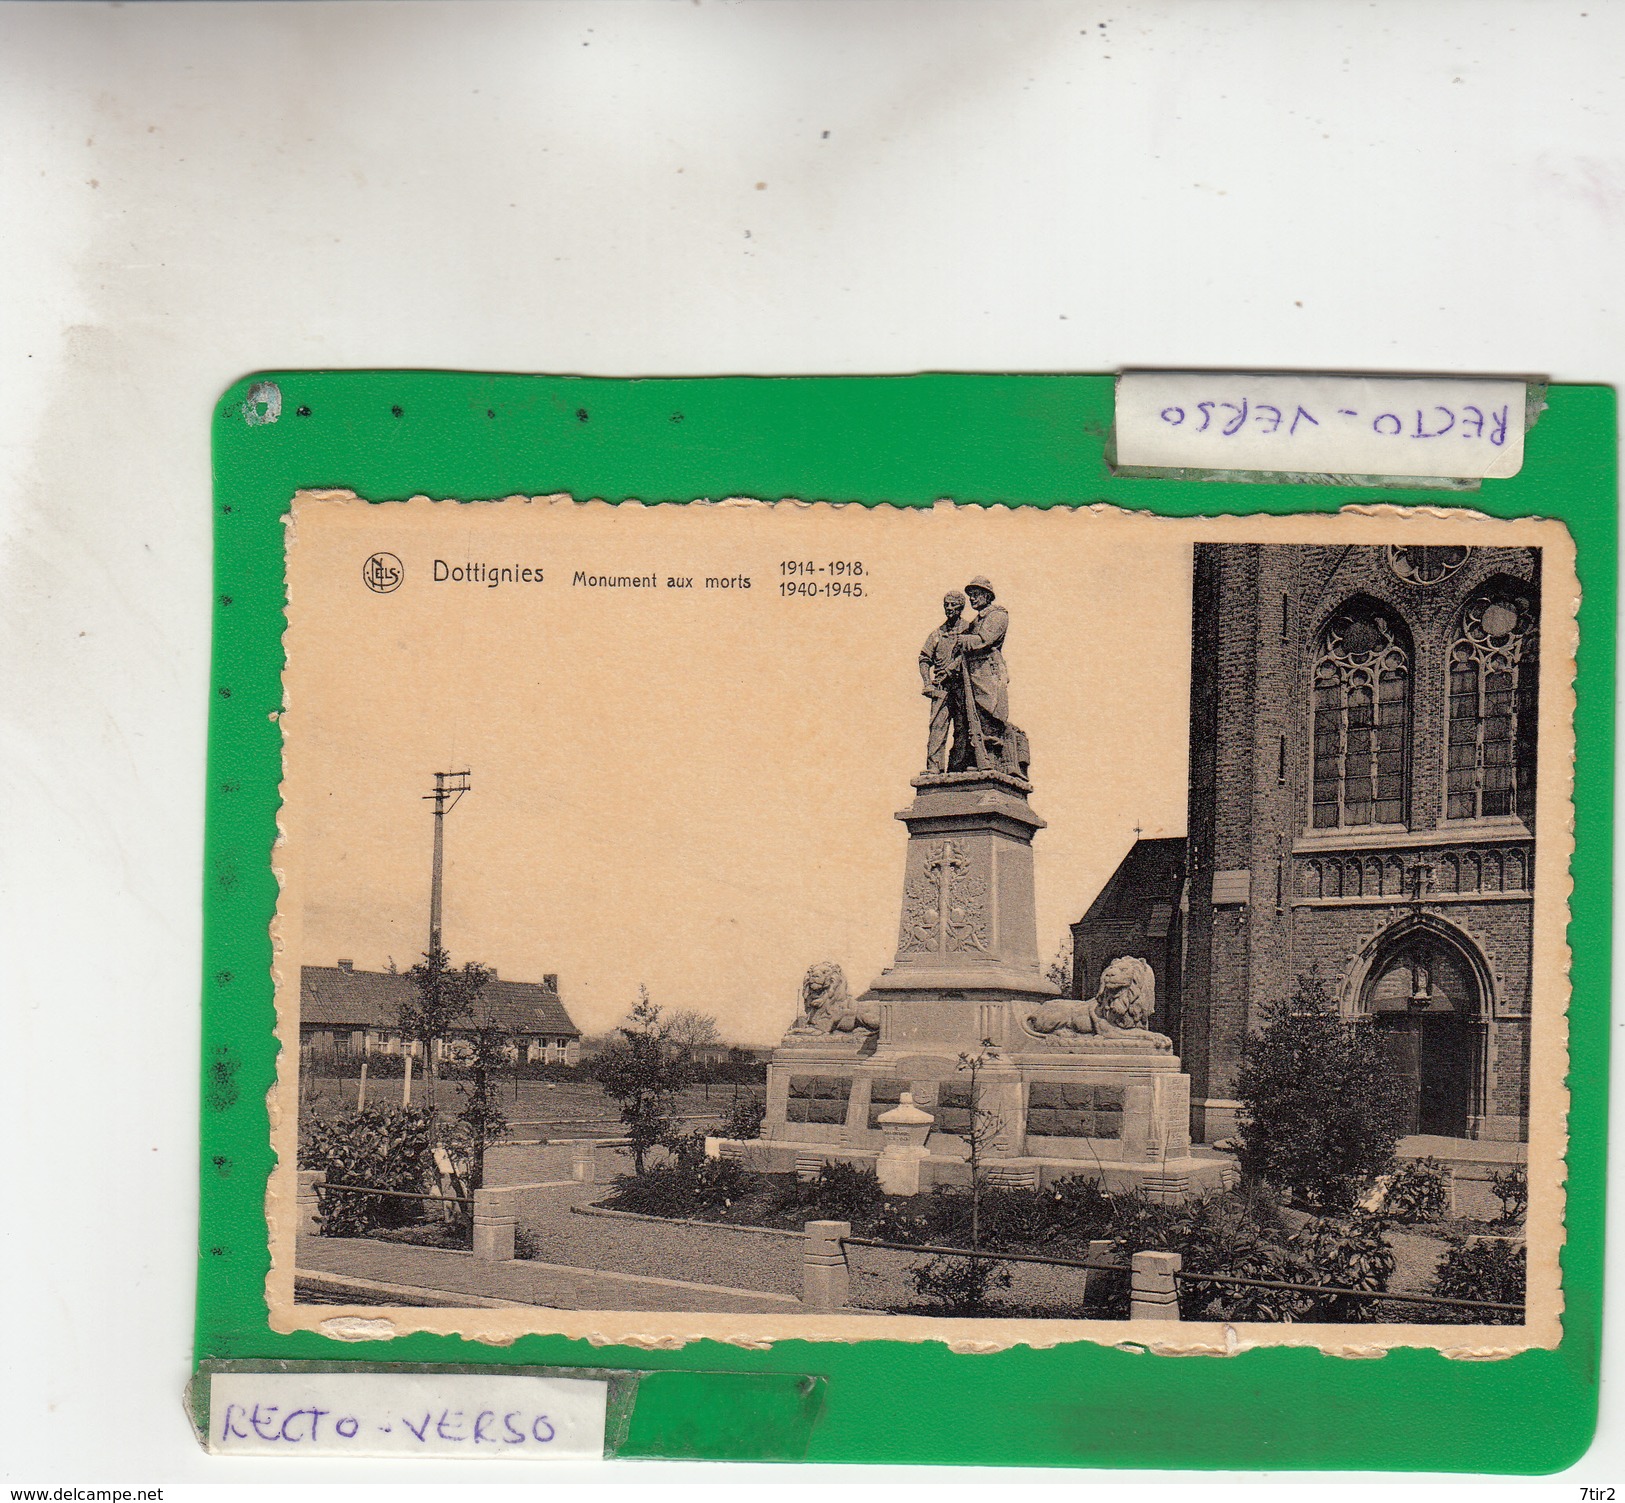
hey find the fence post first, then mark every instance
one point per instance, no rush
(1100, 1251)
(309, 1203)
(1153, 1291)
(493, 1228)
(825, 1280)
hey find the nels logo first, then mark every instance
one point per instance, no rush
(382, 573)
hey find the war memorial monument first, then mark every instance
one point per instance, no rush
(1060, 1085)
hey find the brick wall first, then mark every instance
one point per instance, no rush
(1257, 613)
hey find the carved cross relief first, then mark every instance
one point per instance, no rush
(944, 904)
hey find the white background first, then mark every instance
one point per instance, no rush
(192, 192)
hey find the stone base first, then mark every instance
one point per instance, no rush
(1165, 1183)
(1213, 1121)
(1115, 1108)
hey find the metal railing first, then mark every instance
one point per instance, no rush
(1374, 1294)
(1154, 1277)
(322, 1187)
(926, 1249)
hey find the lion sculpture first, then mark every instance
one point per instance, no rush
(827, 1005)
(1122, 1007)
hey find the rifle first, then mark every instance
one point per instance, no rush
(973, 719)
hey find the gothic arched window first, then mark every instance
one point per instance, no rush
(1494, 690)
(1362, 719)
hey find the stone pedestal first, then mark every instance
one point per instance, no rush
(584, 1162)
(825, 1278)
(494, 1227)
(906, 1129)
(965, 981)
(967, 933)
(309, 1202)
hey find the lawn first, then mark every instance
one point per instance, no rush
(534, 1108)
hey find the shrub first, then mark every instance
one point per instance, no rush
(1078, 1208)
(382, 1148)
(744, 1119)
(1494, 1268)
(684, 1186)
(1236, 1232)
(1418, 1192)
(525, 1243)
(1321, 1107)
(1348, 1254)
(959, 1286)
(841, 1192)
(1254, 1257)
(1512, 1190)
(641, 1071)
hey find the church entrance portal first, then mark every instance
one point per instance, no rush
(1423, 995)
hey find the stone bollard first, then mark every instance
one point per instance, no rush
(825, 1280)
(1153, 1290)
(309, 1203)
(584, 1163)
(1100, 1251)
(493, 1228)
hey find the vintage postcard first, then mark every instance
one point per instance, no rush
(986, 925)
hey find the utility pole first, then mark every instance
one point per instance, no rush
(449, 787)
(452, 786)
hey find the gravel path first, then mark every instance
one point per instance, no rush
(771, 1264)
(397, 1266)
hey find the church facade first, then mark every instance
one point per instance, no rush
(1361, 811)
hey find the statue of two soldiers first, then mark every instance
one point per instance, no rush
(962, 673)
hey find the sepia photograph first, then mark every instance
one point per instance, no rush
(754, 921)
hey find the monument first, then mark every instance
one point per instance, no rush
(1061, 1086)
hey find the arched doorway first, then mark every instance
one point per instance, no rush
(1425, 994)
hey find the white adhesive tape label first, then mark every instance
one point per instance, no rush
(1445, 428)
(501, 1416)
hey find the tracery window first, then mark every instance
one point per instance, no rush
(1427, 564)
(1494, 690)
(1362, 719)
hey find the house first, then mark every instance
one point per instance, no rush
(1137, 913)
(346, 1011)
(1361, 809)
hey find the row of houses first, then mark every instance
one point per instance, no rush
(344, 1011)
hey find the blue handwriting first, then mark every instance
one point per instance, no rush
(1227, 419)
(306, 1427)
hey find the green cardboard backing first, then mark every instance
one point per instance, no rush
(1014, 440)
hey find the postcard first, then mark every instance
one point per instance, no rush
(993, 926)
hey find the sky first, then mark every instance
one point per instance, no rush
(695, 790)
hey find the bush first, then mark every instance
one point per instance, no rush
(1321, 1107)
(959, 1286)
(684, 1186)
(382, 1148)
(1348, 1254)
(841, 1192)
(1495, 1269)
(1512, 1190)
(744, 1119)
(1418, 1192)
(1078, 1209)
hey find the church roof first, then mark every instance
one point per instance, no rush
(1146, 882)
(339, 996)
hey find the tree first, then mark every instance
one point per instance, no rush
(1059, 969)
(440, 998)
(482, 1116)
(1321, 1108)
(641, 1070)
(964, 1285)
(693, 1032)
